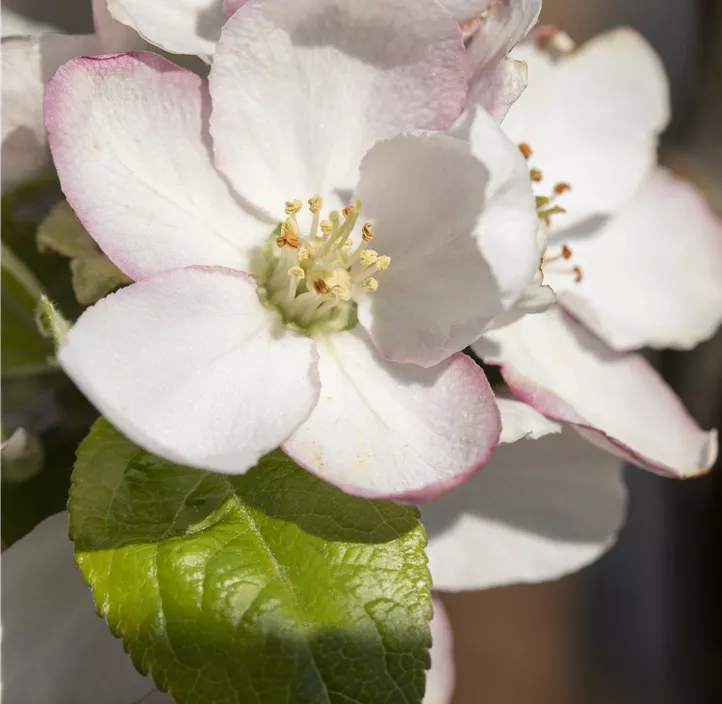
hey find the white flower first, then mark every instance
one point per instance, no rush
(635, 257)
(28, 62)
(57, 650)
(239, 333)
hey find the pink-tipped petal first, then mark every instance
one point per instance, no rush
(178, 26)
(592, 119)
(496, 80)
(302, 90)
(385, 430)
(651, 273)
(539, 510)
(55, 647)
(139, 172)
(562, 370)
(27, 65)
(440, 678)
(190, 365)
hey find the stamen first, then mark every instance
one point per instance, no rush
(366, 232)
(320, 287)
(345, 212)
(368, 257)
(326, 227)
(297, 272)
(315, 203)
(371, 284)
(536, 175)
(525, 150)
(289, 235)
(304, 254)
(382, 263)
(562, 187)
(293, 207)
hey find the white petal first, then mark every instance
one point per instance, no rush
(592, 120)
(27, 64)
(301, 90)
(426, 198)
(651, 273)
(397, 431)
(191, 366)
(440, 678)
(113, 35)
(496, 80)
(56, 649)
(539, 510)
(520, 421)
(509, 225)
(178, 26)
(139, 173)
(556, 366)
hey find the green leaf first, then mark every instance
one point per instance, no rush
(272, 587)
(24, 349)
(62, 232)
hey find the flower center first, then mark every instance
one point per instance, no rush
(314, 279)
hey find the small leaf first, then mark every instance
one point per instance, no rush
(94, 277)
(268, 588)
(62, 232)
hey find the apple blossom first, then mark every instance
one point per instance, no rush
(634, 255)
(28, 62)
(56, 649)
(240, 332)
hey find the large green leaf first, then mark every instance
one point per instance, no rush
(273, 587)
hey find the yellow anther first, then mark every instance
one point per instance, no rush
(304, 253)
(320, 286)
(347, 244)
(315, 203)
(535, 175)
(345, 212)
(326, 227)
(366, 232)
(562, 187)
(368, 257)
(371, 284)
(298, 272)
(289, 235)
(541, 201)
(293, 206)
(382, 263)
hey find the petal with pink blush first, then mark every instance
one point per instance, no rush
(616, 399)
(540, 509)
(178, 26)
(302, 90)
(651, 273)
(462, 10)
(385, 430)
(440, 678)
(27, 65)
(190, 365)
(55, 646)
(592, 119)
(112, 35)
(497, 81)
(139, 173)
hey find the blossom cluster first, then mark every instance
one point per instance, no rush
(327, 236)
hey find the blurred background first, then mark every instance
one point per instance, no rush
(645, 623)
